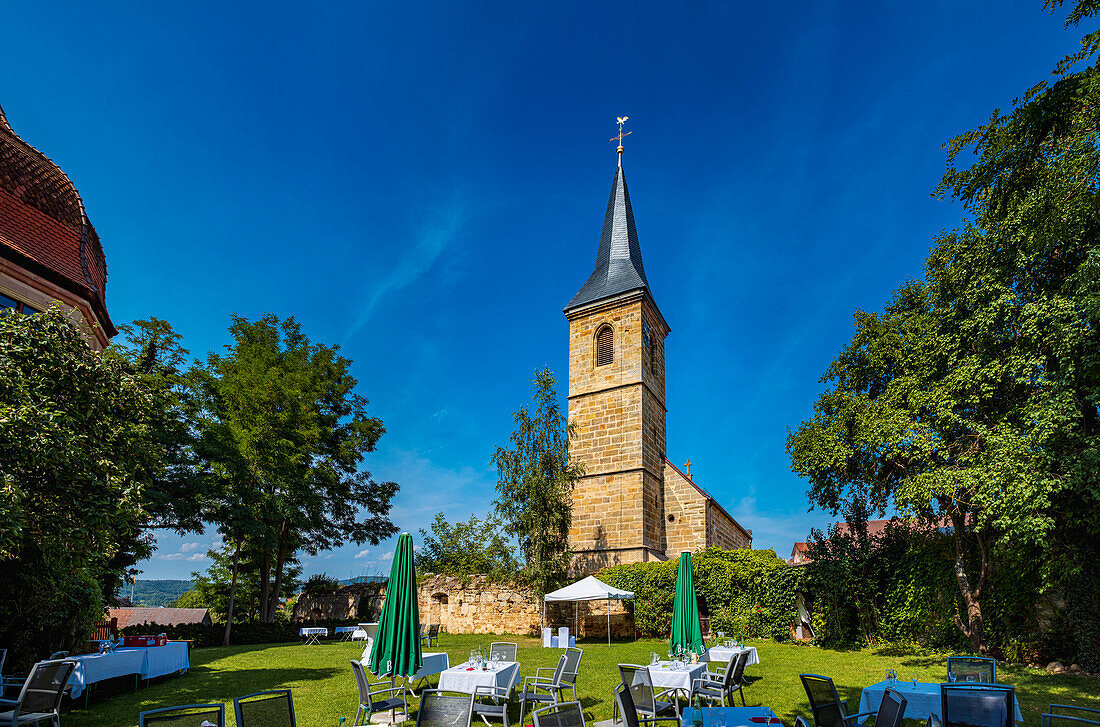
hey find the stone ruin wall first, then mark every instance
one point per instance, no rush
(471, 605)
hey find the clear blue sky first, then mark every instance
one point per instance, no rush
(425, 185)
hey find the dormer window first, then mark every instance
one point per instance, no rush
(605, 347)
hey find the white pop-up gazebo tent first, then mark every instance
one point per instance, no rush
(589, 589)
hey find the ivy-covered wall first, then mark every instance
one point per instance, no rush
(898, 586)
(747, 592)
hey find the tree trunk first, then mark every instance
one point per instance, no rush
(971, 596)
(265, 583)
(269, 609)
(232, 593)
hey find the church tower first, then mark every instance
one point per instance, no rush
(617, 400)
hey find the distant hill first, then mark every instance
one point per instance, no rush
(155, 593)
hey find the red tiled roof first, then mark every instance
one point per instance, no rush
(157, 616)
(43, 224)
(41, 238)
(874, 527)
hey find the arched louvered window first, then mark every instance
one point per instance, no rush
(605, 346)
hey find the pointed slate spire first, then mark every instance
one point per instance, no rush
(619, 258)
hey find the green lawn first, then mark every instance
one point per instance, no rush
(324, 688)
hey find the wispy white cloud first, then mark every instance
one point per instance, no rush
(362, 554)
(439, 232)
(186, 556)
(190, 547)
(777, 529)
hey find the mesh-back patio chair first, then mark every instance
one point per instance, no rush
(572, 669)
(826, 706)
(624, 705)
(189, 715)
(40, 697)
(439, 708)
(565, 714)
(431, 635)
(542, 688)
(720, 686)
(273, 708)
(979, 668)
(891, 710)
(1067, 715)
(493, 701)
(975, 705)
(371, 699)
(506, 649)
(647, 701)
(58, 655)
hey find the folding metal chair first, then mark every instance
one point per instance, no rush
(188, 715)
(979, 668)
(494, 701)
(975, 705)
(506, 649)
(439, 708)
(40, 697)
(565, 714)
(369, 701)
(273, 708)
(826, 706)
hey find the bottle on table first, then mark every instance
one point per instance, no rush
(697, 713)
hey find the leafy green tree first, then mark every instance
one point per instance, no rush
(974, 395)
(75, 464)
(536, 478)
(190, 599)
(319, 584)
(466, 548)
(284, 434)
(150, 350)
(214, 586)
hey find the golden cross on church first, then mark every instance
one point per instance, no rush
(687, 468)
(620, 120)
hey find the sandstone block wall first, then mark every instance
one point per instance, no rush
(472, 605)
(723, 532)
(618, 411)
(478, 605)
(685, 514)
(360, 602)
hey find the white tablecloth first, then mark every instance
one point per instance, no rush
(432, 662)
(722, 654)
(345, 629)
(666, 678)
(457, 679)
(163, 660)
(92, 668)
(313, 631)
(921, 700)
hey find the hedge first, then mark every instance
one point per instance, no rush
(242, 633)
(750, 593)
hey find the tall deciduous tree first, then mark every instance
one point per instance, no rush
(285, 434)
(536, 478)
(75, 464)
(466, 547)
(976, 394)
(150, 350)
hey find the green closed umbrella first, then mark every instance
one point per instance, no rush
(686, 633)
(396, 651)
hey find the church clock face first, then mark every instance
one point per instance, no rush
(645, 334)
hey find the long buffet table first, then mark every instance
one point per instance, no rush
(142, 662)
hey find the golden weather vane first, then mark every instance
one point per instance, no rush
(621, 120)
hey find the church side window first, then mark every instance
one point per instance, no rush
(605, 348)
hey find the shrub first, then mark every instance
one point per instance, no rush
(749, 592)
